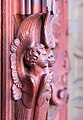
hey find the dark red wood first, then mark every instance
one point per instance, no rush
(18, 7)
(5, 64)
(27, 7)
(64, 25)
(35, 87)
(36, 6)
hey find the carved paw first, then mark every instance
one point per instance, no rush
(17, 93)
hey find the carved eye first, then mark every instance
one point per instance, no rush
(51, 55)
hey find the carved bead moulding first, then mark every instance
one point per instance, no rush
(39, 65)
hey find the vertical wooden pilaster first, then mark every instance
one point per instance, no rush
(6, 37)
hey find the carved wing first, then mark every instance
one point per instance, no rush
(26, 39)
(50, 39)
(43, 98)
(32, 25)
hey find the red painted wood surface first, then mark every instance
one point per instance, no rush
(63, 46)
(9, 11)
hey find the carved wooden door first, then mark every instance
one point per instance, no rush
(34, 59)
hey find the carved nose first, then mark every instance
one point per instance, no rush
(56, 41)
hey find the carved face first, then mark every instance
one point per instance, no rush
(51, 59)
(43, 59)
(36, 55)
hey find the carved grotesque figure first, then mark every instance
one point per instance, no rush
(35, 83)
(32, 62)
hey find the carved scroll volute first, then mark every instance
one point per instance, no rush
(60, 83)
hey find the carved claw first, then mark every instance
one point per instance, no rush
(17, 93)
